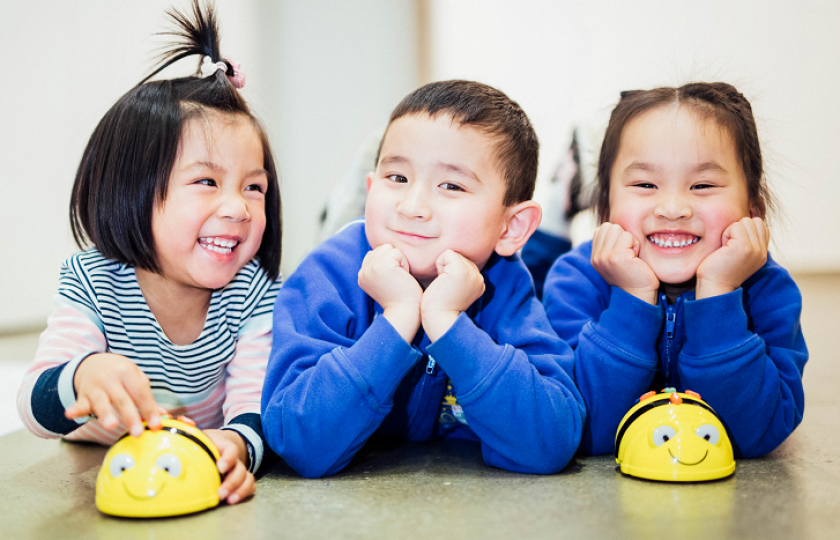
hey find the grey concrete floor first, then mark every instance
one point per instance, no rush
(443, 490)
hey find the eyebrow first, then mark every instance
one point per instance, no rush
(460, 170)
(218, 168)
(641, 166)
(456, 168)
(650, 167)
(710, 166)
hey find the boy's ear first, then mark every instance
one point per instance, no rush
(369, 180)
(521, 220)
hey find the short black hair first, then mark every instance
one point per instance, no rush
(489, 110)
(126, 165)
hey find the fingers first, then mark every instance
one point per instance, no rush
(140, 392)
(450, 262)
(238, 484)
(114, 389)
(750, 230)
(610, 237)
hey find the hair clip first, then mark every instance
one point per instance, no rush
(208, 68)
(238, 77)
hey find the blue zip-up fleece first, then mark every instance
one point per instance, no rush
(339, 374)
(743, 352)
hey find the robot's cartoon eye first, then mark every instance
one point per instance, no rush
(120, 463)
(169, 463)
(708, 432)
(663, 434)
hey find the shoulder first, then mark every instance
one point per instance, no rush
(771, 284)
(92, 263)
(578, 259)
(249, 294)
(90, 274)
(508, 272)
(337, 259)
(574, 270)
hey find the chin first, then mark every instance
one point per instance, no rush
(675, 278)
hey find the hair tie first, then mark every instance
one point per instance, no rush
(208, 68)
(238, 78)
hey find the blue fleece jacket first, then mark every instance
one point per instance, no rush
(743, 352)
(339, 374)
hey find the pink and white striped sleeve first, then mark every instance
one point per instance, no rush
(47, 387)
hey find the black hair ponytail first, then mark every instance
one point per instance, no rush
(125, 168)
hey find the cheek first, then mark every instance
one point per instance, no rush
(717, 219)
(629, 217)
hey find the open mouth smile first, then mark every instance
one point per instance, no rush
(218, 244)
(673, 240)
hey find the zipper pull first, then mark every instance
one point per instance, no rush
(430, 366)
(670, 321)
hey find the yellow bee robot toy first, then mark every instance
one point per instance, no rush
(675, 437)
(166, 472)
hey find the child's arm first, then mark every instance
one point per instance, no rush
(742, 253)
(614, 337)
(615, 255)
(73, 376)
(511, 373)
(333, 368)
(744, 350)
(245, 373)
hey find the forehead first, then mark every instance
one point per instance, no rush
(676, 136)
(428, 140)
(210, 132)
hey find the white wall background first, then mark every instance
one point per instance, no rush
(566, 62)
(323, 74)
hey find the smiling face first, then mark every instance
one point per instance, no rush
(674, 437)
(676, 185)
(437, 186)
(212, 221)
(166, 472)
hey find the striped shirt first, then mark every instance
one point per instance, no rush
(99, 307)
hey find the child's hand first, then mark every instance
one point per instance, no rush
(113, 388)
(742, 253)
(459, 283)
(239, 483)
(385, 277)
(615, 255)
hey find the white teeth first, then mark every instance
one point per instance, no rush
(218, 245)
(676, 243)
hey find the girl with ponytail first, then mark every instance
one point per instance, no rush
(168, 310)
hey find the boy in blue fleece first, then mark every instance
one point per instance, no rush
(421, 321)
(677, 289)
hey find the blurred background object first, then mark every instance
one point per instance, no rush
(323, 76)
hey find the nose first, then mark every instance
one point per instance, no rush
(414, 203)
(233, 207)
(673, 207)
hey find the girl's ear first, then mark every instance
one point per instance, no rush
(521, 220)
(369, 180)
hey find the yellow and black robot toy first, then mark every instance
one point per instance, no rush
(166, 472)
(675, 437)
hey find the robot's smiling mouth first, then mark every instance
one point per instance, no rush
(150, 494)
(699, 461)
